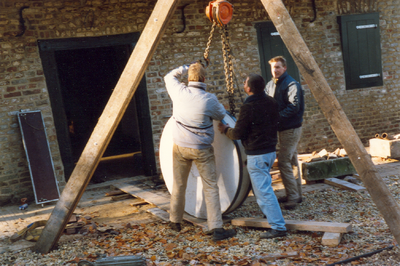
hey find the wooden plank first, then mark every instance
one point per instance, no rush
(344, 184)
(331, 239)
(162, 202)
(163, 215)
(148, 196)
(121, 197)
(335, 115)
(108, 122)
(114, 193)
(296, 225)
(277, 256)
(138, 202)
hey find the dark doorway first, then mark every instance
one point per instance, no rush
(81, 74)
(270, 44)
(87, 77)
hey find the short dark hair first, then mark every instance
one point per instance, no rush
(256, 83)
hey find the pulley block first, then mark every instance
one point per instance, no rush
(220, 12)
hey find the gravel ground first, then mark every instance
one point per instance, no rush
(161, 246)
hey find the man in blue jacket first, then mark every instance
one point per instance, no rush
(257, 128)
(289, 95)
(194, 110)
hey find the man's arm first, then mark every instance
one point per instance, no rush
(172, 82)
(293, 105)
(218, 110)
(242, 125)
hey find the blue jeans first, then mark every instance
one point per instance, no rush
(259, 167)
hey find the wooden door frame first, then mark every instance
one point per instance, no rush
(47, 49)
(292, 68)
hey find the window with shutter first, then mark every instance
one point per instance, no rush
(361, 49)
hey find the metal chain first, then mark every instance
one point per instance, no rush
(209, 41)
(228, 66)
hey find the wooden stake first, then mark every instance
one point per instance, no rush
(108, 122)
(335, 115)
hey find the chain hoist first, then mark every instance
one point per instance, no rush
(220, 13)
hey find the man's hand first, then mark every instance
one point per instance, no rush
(222, 127)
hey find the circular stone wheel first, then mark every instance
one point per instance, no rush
(233, 178)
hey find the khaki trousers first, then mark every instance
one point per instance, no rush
(288, 163)
(205, 163)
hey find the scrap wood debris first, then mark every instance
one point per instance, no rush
(162, 246)
(324, 155)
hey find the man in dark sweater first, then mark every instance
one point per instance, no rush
(289, 95)
(257, 128)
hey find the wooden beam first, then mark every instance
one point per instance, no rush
(108, 122)
(343, 184)
(162, 202)
(335, 115)
(278, 256)
(120, 156)
(296, 225)
(163, 215)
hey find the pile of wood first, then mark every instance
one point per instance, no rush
(323, 155)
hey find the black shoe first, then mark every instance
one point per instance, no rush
(290, 205)
(175, 226)
(221, 233)
(209, 232)
(284, 199)
(272, 234)
(300, 200)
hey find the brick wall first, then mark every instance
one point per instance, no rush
(23, 86)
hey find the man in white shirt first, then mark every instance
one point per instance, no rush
(194, 110)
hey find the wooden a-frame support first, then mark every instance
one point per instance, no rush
(130, 78)
(108, 122)
(335, 115)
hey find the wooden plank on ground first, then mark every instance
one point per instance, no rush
(331, 239)
(277, 256)
(330, 106)
(114, 193)
(137, 202)
(344, 184)
(113, 112)
(296, 225)
(161, 201)
(121, 197)
(163, 215)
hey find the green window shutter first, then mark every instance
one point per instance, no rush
(361, 49)
(270, 44)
